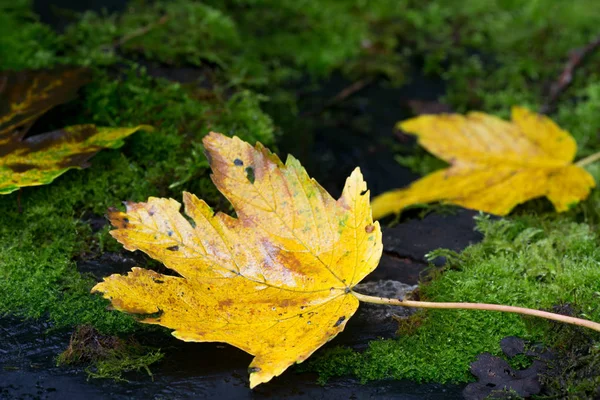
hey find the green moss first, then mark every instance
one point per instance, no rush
(254, 42)
(109, 356)
(529, 262)
(514, 47)
(520, 361)
(574, 372)
(338, 361)
(173, 32)
(24, 42)
(285, 39)
(420, 161)
(580, 118)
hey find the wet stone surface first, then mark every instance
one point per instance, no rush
(414, 239)
(192, 370)
(376, 320)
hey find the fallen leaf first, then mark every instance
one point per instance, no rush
(27, 95)
(494, 164)
(39, 159)
(275, 282)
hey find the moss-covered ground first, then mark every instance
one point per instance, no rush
(247, 55)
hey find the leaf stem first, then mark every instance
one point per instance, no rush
(479, 306)
(588, 160)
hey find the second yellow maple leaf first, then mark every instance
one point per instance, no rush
(494, 164)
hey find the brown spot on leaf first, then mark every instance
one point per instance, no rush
(225, 303)
(288, 303)
(290, 261)
(339, 321)
(173, 248)
(369, 228)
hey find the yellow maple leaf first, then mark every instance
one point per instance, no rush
(494, 164)
(275, 282)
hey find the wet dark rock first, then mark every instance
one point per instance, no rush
(376, 313)
(375, 321)
(498, 380)
(405, 245)
(189, 371)
(26, 344)
(95, 221)
(358, 131)
(415, 238)
(512, 346)
(109, 263)
(402, 269)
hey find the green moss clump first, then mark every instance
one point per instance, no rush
(528, 262)
(574, 372)
(172, 32)
(420, 161)
(24, 42)
(513, 49)
(109, 356)
(338, 361)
